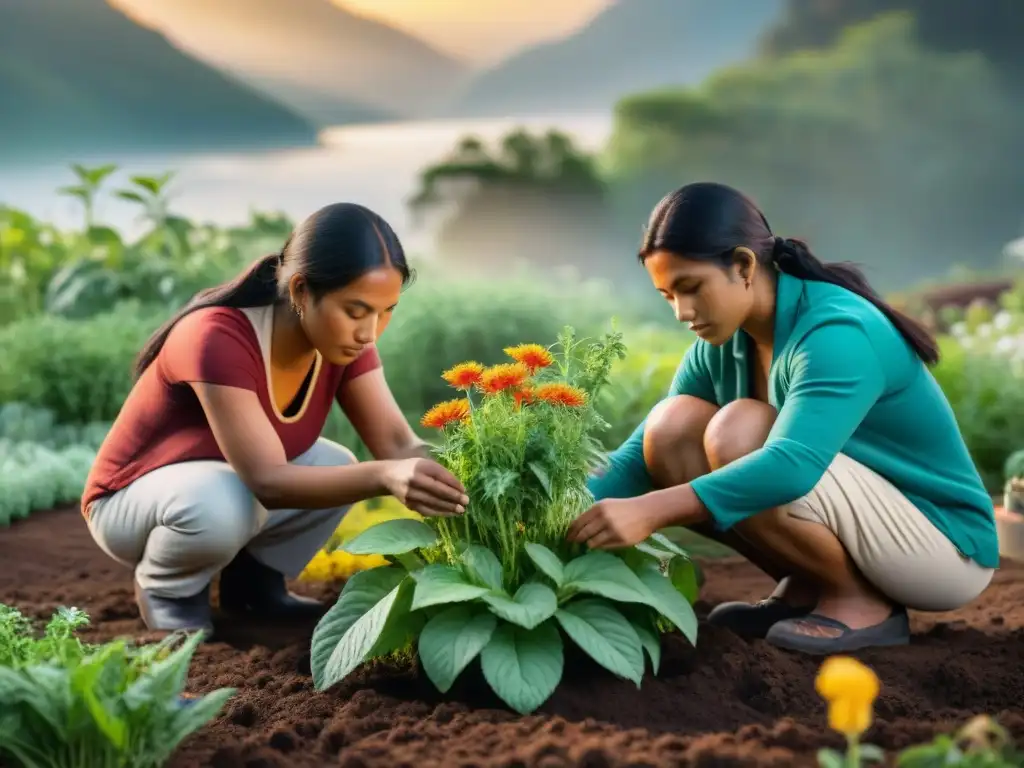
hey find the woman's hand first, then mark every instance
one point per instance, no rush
(617, 523)
(424, 486)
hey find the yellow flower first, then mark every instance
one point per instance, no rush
(850, 688)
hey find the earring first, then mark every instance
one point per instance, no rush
(298, 311)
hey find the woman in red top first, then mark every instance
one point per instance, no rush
(215, 462)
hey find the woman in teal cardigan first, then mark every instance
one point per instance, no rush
(804, 430)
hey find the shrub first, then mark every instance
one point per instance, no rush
(79, 705)
(500, 582)
(78, 370)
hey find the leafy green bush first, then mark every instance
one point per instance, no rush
(42, 463)
(78, 369)
(501, 581)
(987, 397)
(77, 705)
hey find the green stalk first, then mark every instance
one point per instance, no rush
(852, 751)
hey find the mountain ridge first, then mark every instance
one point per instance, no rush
(632, 45)
(87, 79)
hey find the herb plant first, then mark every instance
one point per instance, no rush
(501, 582)
(69, 704)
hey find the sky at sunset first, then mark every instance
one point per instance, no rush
(481, 30)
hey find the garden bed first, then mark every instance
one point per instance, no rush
(728, 703)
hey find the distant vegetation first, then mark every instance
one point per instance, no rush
(858, 147)
(535, 201)
(993, 28)
(78, 77)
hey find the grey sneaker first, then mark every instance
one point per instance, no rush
(895, 630)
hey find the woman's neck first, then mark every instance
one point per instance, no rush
(760, 323)
(289, 346)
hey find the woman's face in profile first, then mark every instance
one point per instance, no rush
(344, 322)
(713, 301)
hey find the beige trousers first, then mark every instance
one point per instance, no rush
(890, 540)
(179, 525)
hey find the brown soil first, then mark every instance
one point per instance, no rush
(727, 703)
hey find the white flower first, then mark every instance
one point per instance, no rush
(1002, 320)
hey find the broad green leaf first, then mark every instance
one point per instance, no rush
(872, 753)
(637, 557)
(186, 720)
(402, 625)
(605, 575)
(547, 562)
(392, 537)
(523, 666)
(483, 566)
(682, 572)
(643, 620)
(451, 640)
(408, 560)
(437, 584)
(829, 758)
(669, 602)
(661, 541)
(606, 636)
(85, 686)
(533, 603)
(353, 624)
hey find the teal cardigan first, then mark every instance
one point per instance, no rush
(843, 380)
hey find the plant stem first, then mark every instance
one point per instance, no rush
(852, 751)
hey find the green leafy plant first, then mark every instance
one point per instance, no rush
(501, 583)
(981, 743)
(76, 705)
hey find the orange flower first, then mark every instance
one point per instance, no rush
(533, 356)
(464, 375)
(498, 378)
(524, 395)
(443, 414)
(561, 394)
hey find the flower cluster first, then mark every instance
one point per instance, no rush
(515, 379)
(521, 439)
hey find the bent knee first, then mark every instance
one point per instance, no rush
(673, 436)
(739, 428)
(222, 518)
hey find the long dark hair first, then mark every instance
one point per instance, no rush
(708, 221)
(330, 249)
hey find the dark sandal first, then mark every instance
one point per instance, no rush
(753, 620)
(786, 634)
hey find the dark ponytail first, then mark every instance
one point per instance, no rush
(330, 249)
(793, 257)
(255, 287)
(707, 221)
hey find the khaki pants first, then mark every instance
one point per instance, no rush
(891, 541)
(179, 525)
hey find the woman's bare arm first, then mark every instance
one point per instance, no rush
(371, 407)
(251, 446)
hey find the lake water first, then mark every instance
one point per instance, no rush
(376, 165)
